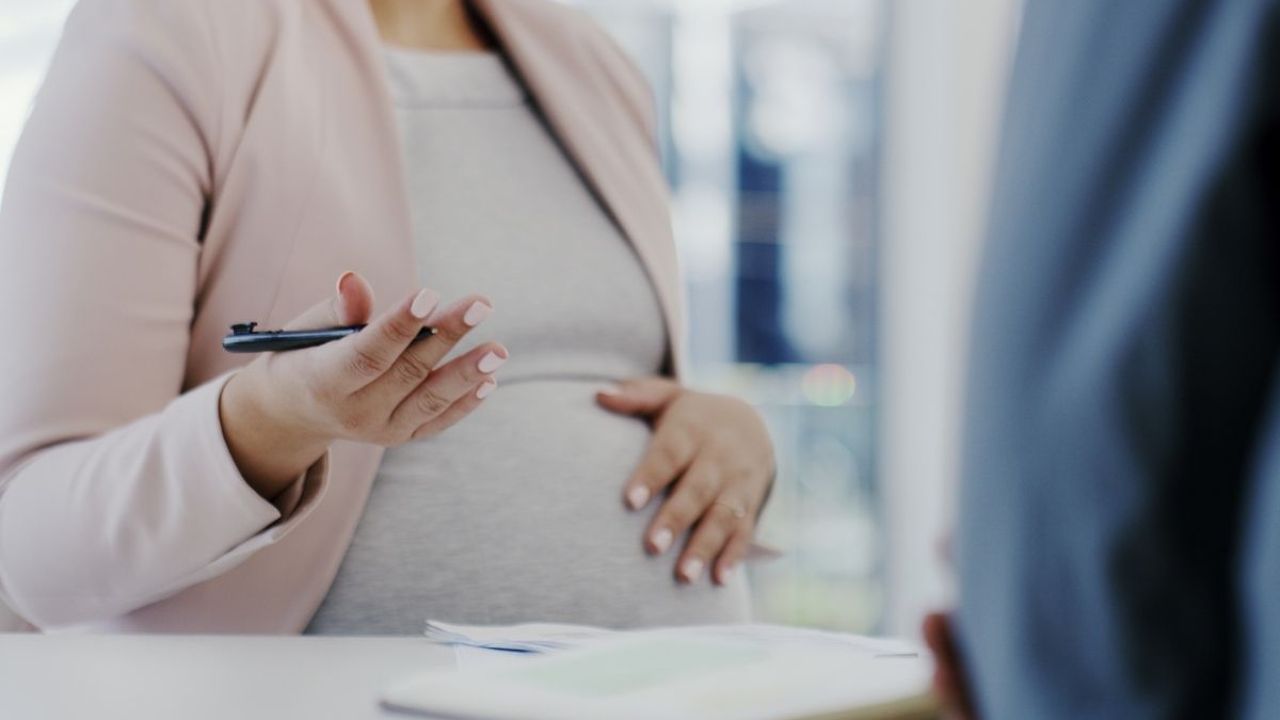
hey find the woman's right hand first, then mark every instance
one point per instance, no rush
(282, 411)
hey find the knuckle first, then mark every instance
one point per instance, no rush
(470, 372)
(723, 515)
(364, 364)
(705, 540)
(668, 456)
(679, 516)
(733, 525)
(737, 475)
(398, 331)
(411, 370)
(430, 402)
(738, 536)
(701, 492)
(450, 333)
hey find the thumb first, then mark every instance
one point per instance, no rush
(351, 304)
(641, 396)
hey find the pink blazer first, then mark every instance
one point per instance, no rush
(193, 163)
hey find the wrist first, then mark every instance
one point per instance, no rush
(274, 406)
(270, 448)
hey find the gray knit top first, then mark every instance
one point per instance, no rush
(516, 513)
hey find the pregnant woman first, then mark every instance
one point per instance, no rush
(484, 168)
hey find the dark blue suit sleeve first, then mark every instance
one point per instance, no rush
(1122, 396)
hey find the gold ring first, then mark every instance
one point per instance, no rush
(737, 511)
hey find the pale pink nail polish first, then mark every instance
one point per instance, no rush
(490, 362)
(692, 569)
(424, 303)
(637, 497)
(476, 313)
(483, 391)
(343, 278)
(726, 573)
(661, 540)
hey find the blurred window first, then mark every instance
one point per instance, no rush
(771, 133)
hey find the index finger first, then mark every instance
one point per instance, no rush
(669, 454)
(421, 359)
(451, 325)
(361, 358)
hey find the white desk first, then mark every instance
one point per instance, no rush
(197, 677)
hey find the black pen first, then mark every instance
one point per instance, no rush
(245, 339)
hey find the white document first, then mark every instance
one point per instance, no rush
(713, 672)
(548, 637)
(526, 638)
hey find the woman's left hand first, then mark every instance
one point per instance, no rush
(713, 457)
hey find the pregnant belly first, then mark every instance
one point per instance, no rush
(515, 515)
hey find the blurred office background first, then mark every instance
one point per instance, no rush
(829, 162)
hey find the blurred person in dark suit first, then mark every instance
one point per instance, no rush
(1119, 540)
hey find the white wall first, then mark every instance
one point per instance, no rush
(947, 65)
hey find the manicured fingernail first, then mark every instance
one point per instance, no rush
(726, 573)
(692, 569)
(476, 313)
(637, 497)
(661, 540)
(490, 362)
(424, 303)
(483, 391)
(610, 390)
(342, 279)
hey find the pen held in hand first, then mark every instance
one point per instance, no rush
(245, 339)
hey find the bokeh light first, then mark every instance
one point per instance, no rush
(829, 385)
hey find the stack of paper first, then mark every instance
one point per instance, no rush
(744, 672)
(548, 637)
(526, 638)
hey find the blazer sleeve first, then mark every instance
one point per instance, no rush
(116, 485)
